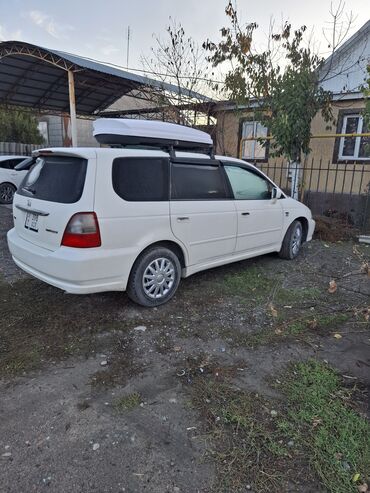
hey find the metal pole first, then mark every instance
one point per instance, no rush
(72, 107)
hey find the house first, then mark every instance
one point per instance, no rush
(337, 164)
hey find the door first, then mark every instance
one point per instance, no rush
(260, 217)
(203, 215)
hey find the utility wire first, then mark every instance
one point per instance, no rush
(121, 67)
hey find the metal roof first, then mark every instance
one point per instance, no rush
(37, 77)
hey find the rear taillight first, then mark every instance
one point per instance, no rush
(82, 231)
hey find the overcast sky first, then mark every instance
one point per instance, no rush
(98, 29)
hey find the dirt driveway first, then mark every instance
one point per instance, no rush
(100, 395)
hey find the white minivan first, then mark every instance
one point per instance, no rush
(155, 206)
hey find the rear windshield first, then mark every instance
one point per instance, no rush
(55, 179)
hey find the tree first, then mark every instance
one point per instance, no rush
(178, 60)
(18, 125)
(280, 84)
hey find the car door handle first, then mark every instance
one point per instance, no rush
(245, 213)
(183, 218)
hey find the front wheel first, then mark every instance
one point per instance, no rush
(292, 241)
(155, 277)
(7, 191)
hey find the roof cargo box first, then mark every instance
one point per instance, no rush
(129, 132)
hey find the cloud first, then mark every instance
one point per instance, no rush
(48, 24)
(108, 49)
(6, 35)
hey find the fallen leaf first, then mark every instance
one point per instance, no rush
(337, 336)
(362, 488)
(332, 287)
(365, 268)
(278, 331)
(356, 477)
(273, 310)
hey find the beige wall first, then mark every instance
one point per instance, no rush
(338, 178)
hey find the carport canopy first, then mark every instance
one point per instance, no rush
(44, 79)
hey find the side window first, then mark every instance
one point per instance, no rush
(141, 179)
(197, 182)
(13, 162)
(5, 164)
(247, 185)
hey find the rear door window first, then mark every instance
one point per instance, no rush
(141, 179)
(197, 182)
(55, 179)
(5, 164)
(10, 163)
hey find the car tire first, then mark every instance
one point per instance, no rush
(7, 191)
(154, 277)
(292, 241)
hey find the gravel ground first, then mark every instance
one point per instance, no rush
(60, 427)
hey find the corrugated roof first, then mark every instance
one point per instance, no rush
(37, 77)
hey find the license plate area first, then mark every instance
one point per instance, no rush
(31, 221)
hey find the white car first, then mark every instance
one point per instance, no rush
(10, 178)
(88, 220)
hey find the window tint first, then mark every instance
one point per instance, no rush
(247, 185)
(10, 163)
(5, 164)
(55, 179)
(141, 179)
(197, 182)
(16, 161)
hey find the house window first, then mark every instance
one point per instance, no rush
(351, 148)
(253, 149)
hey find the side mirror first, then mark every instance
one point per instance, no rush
(276, 193)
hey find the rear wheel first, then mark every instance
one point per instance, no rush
(7, 191)
(155, 277)
(292, 241)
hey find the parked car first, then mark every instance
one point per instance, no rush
(88, 220)
(10, 178)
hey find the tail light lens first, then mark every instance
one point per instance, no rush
(82, 231)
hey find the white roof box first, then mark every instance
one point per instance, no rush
(125, 131)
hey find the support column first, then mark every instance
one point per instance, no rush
(72, 107)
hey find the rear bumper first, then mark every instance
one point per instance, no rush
(78, 271)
